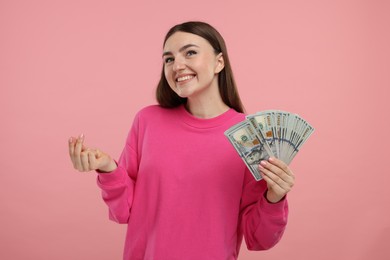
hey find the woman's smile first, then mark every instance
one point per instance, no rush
(184, 78)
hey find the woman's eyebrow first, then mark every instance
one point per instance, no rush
(181, 49)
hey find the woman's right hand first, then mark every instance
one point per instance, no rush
(85, 159)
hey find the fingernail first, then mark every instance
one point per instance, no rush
(81, 137)
(264, 163)
(70, 140)
(271, 159)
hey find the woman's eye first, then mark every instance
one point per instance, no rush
(168, 60)
(190, 53)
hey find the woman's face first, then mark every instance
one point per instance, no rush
(191, 66)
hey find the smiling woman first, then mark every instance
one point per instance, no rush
(210, 37)
(188, 195)
(191, 71)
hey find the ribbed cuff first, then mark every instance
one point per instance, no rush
(111, 178)
(272, 208)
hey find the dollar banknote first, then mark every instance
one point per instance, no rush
(251, 146)
(264, 125)
(276, 133)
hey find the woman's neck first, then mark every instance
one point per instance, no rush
(208, 108)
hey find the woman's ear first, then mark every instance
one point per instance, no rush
(220, 63)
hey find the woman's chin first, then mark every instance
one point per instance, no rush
(183, 92)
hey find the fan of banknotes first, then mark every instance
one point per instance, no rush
(269, 133)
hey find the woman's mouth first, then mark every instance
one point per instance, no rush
(185, 78)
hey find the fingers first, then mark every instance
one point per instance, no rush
(84, 160)
(77, 161)
(93, 163)
(278, 175)
(276, 163)
(78, 153)
(72, 144)
(71, 147)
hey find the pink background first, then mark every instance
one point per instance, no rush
(70, 67)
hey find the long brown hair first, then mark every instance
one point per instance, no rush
(166, 97)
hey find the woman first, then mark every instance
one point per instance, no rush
(179, 184)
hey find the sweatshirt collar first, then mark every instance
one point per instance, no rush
(197, 122)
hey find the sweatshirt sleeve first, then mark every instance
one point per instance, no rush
(262, 223)
(118, 186)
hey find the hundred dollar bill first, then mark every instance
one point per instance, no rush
(301, 136)
(294, 128)
(283, 118)
(263, 123)
(251, 147)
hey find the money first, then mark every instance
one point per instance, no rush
(251, 147)
(268, 133)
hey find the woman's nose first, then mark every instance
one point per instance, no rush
(178, 64)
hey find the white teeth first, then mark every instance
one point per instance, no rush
(185, 78)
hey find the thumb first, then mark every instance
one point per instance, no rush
(99, 154)
(105, 162)
(97, 159)
(103, 159)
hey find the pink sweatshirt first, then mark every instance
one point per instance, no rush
(185, 193)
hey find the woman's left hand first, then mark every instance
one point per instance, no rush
(280, 179)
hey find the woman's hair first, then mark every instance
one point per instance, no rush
(166, 97)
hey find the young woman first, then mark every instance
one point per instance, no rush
(179, 185)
